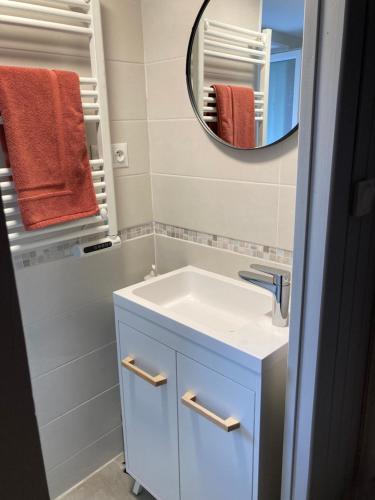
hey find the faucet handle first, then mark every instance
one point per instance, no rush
(280, 276)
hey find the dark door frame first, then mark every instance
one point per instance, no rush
(22, 474)
(349, 287)
(363, 487)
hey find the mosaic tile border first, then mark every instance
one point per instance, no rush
(43, 255)
(65, 250)
(137, 231)
(223, 243)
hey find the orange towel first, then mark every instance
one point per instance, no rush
(44, 143)
(235, 115)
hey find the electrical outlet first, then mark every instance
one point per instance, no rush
(120, 155)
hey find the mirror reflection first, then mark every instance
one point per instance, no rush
(244, 70)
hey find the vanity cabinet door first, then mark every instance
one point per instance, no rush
(216, 429)
(148, 372)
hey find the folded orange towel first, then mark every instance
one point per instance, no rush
(43, 138)
(235, 115)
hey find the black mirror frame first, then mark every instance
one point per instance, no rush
(192, 99)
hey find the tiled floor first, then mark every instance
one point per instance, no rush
(109, 483)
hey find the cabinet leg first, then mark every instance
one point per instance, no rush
(137, 488)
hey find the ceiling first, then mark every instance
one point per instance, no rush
(284, 15)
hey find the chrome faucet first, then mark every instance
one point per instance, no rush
(277, 282)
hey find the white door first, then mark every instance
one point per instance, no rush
(214, 464)
(150, 405)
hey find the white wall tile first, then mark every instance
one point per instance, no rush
(169, 36)
(236, 209)
(173, 254)
(85, 462)
(135, 134)
(122, 22)
(126, 90)
(67, 285)
(64, 337)
(62, 389)
(133, 194)
(166, 90)
(286, 217)
(74, 431)
(288, 167)
(138, 257)
(63, 322)
(182, 147)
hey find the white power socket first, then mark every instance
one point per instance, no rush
(120, 155)
(120, 158)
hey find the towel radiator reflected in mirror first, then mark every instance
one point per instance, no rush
(91, 233)
(228, 42)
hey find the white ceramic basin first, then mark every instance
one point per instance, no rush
(235, 313)
(206, 299)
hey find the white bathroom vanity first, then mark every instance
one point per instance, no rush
(202, 377)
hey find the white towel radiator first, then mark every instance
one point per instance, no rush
(80, 17)
(229, 42)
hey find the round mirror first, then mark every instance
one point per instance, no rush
(243, 70)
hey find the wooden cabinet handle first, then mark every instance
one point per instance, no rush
(129, 364)
(230, 424)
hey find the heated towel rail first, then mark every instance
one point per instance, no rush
(80, 17)
(232, 43)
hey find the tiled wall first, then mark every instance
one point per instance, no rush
(67, 303)
(215, 241)
(196, 183)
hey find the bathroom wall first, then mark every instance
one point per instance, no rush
(217, 208)
(66, 302)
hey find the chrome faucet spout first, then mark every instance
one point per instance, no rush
(256, 279)
(276, 281)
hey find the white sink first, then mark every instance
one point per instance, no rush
(236, 314)
(206, 299)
